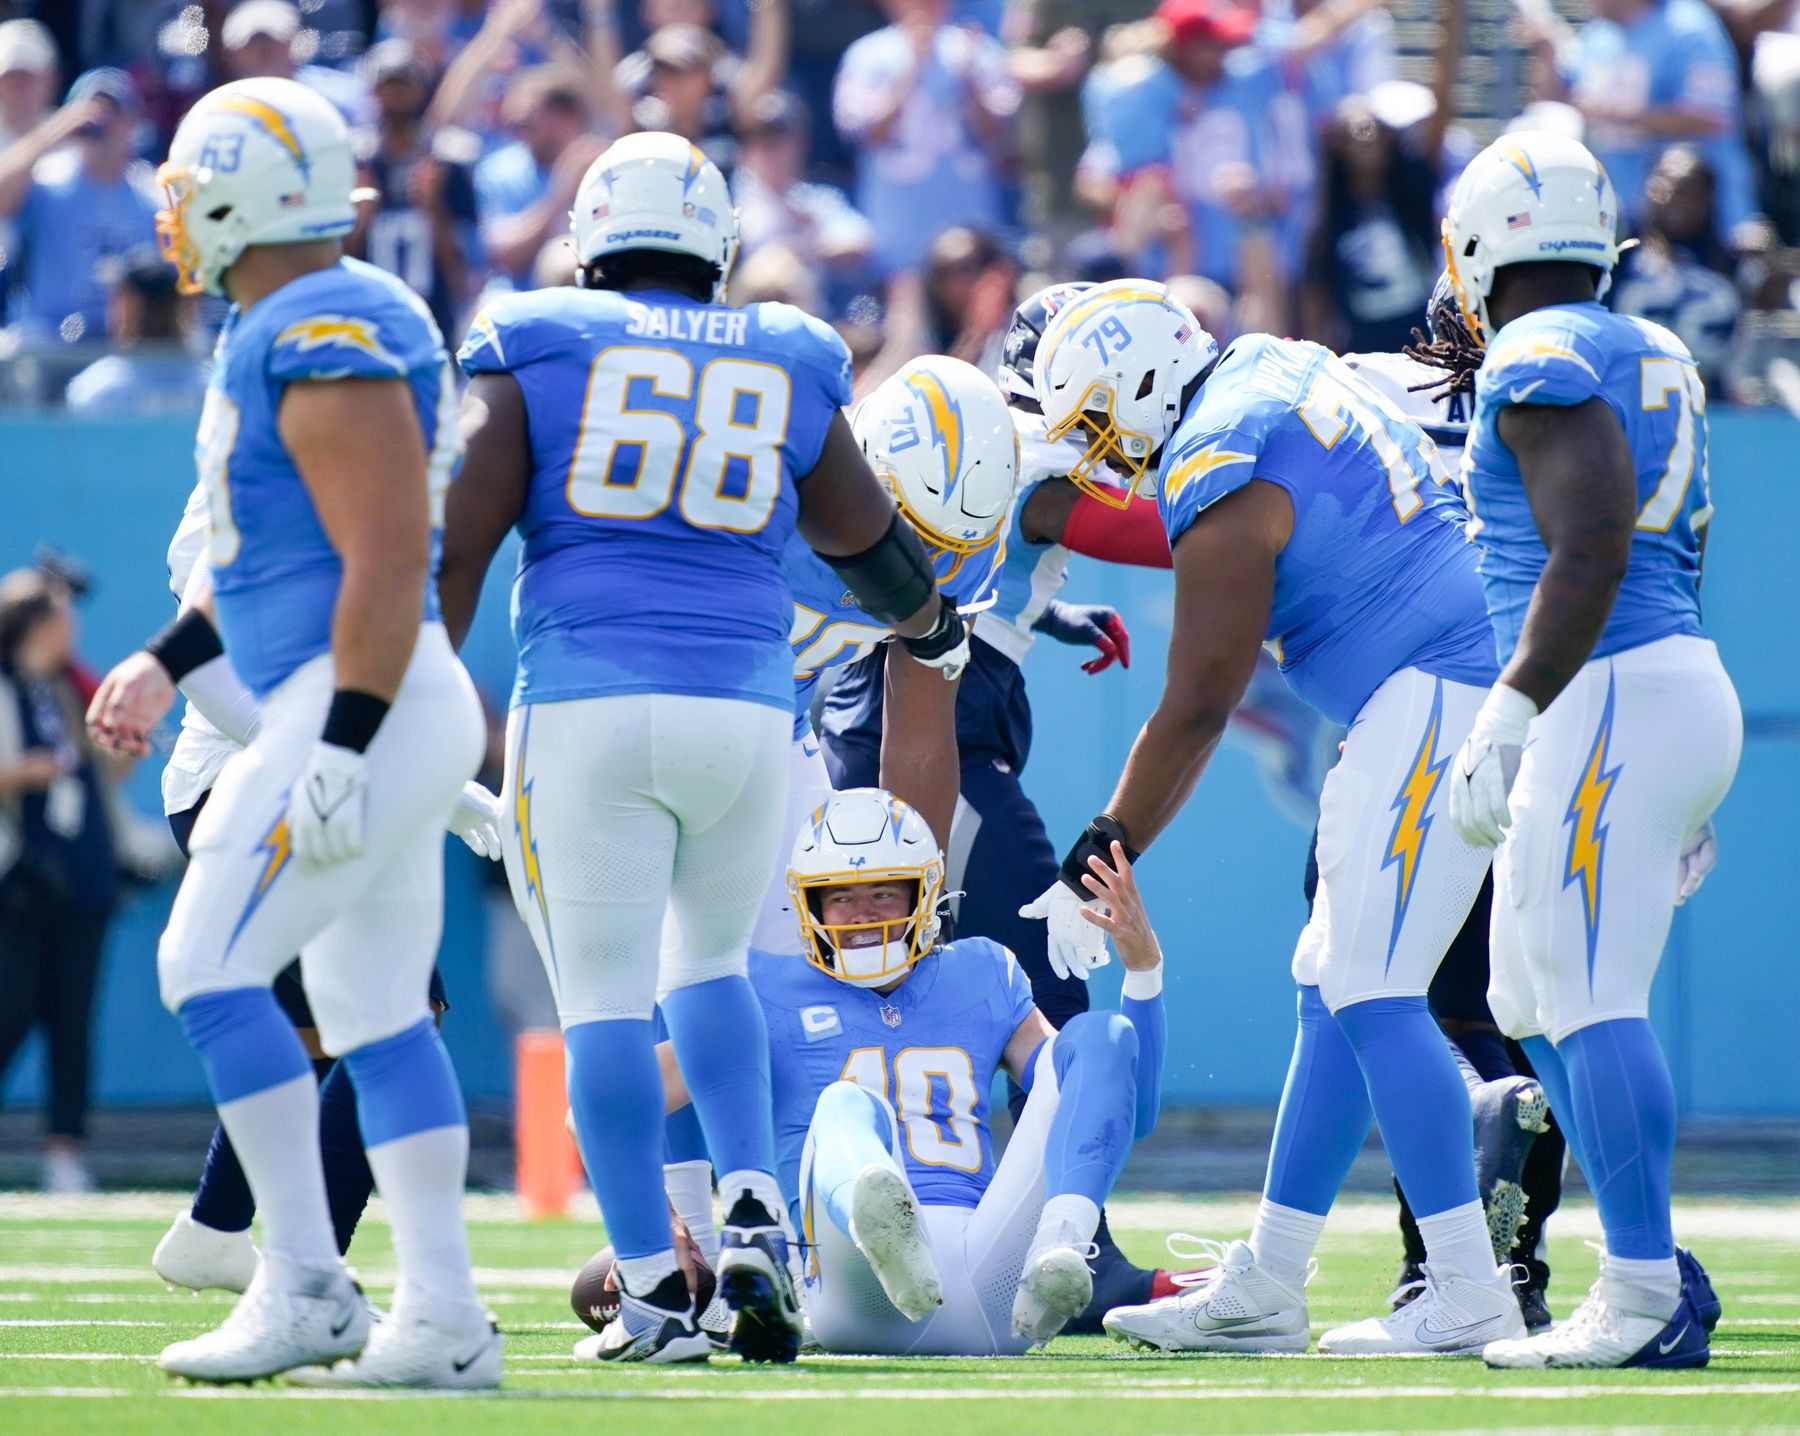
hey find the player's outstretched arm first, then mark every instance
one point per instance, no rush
(1581, 482)
(486, 497)
(850, 521)
(1124, 919)
(919, 758)
(1224, 588)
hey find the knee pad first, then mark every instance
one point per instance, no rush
(851, 1102)
(1102, 1038)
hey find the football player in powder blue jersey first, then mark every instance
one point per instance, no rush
(1304, 510)
(885, 1043)
(1613, 732)
(326, 443)
(657, 449)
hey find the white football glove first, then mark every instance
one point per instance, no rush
(1482, 774)
(476, 820)
(950, 661)
(1699, 857)
(328, 806)
(1077, 947)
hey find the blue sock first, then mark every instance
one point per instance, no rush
(1553, 1076)
(1095, 1056)
(1419, 1100)
(851, 1130)
(616, 1091)
(348, 1180)
(722, 1042)
(1324, 1114)
(404, 1084)
(683, 1141)
(244, 1042)
(1624, 1105)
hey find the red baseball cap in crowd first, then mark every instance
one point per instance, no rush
(1218, 20)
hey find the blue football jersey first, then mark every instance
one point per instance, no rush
(1378, 574)
(668, 439)
(274, 570)
(931, 1047)
(1568, 354)
(829, 630)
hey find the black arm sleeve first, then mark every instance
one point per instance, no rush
(892, 578)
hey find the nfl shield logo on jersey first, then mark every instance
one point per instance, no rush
(890, 1014)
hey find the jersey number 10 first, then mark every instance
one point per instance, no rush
(630, 458)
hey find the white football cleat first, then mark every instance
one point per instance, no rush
(203, 1258)
(884, 1224)
(1233, 1306)
(1599, 1334)
(412, 1352)
(1054, 1288)
(271, 1330)
(1447, 1318)
(651, 1329)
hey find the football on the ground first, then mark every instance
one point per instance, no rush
(595, 1294)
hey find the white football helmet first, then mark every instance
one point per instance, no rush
(864, 836)
(1527, 198)
(938, 434)
(1115, 362)
(655, 190)
(261, 161)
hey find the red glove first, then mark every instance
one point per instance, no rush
(1082, 625)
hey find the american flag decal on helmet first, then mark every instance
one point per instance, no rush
(1518, 221)
(1181, 334)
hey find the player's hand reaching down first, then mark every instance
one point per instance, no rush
(1482, 774)
(1699, 856)
(1077, 947)
(1123, 918)
(328, 806)
(129, 703)
(476, 820)
(1088, 624)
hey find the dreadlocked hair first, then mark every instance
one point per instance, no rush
(1455, 351)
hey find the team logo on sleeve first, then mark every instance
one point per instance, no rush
(1197, 466)
(342, 331)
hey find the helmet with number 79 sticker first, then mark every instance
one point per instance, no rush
(1112, 367)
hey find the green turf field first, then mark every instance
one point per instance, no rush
(81, 1316)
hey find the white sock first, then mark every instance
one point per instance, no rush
(689, 1185)
(420, 1177)
(1282, 1240)
(1457, 1244)
(1069, 1220)
(641, 1274)
(275, 1133)
(760, 1185)
(1642, 1286)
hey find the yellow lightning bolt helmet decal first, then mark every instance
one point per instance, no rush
(529, 863)
(272, 123)
(344, 329)
(1587, 833)
(1412, 820)
(945, 417)
(1515, 156)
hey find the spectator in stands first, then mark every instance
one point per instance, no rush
(257, 39)
(1374, 251)
(1647, 74)
(150, 370)
(776, 205)
(1207, 122)
(28, 72)
(420, 221)
(685, 79)
(969, 296)
(1330, 49)
(58, 872)
(1679, 274)
(681, 95)
(523, 190)
(929, 107)
(776, 273)
(514, 35)
(74, 206)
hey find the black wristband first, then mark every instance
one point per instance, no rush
(941, 637)
(185, 643)
(353, 719)
(1096, 840)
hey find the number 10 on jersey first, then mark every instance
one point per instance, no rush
(649, 427)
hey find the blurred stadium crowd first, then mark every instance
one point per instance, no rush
(906, 168)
